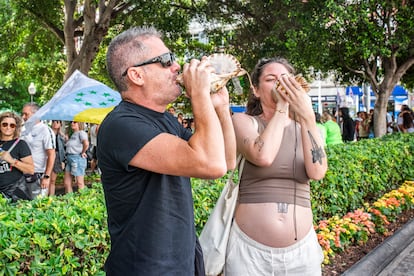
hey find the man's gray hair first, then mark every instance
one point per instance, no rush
(34, 107)
(125, 50)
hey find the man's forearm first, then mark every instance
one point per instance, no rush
(206, 139)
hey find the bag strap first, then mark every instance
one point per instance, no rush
(233, 185)
(14, 144)
(241, 166)
(239, 163)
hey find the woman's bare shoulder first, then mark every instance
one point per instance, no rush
(241, 116)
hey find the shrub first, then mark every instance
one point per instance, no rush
(64, 235)
(67, 235)
(336, 233)
(362, 172)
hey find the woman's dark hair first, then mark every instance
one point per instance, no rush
(407, 120)
(254, 106)
(345, 112)
(318, 118)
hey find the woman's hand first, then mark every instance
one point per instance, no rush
(221, 99)
(299, 101)
(282, 106)
(5, 155)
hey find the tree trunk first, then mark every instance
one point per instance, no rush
(380, 114)
(88, 33)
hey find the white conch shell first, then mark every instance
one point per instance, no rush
(301, 80)
(226, 67)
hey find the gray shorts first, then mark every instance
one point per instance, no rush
(246, 257)
(57, 167)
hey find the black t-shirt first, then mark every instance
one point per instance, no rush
(150, 215)
(9, 174)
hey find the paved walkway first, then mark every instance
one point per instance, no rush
(395, 256)
(402, 265)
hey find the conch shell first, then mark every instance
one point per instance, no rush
(301, 80)
(226, 67)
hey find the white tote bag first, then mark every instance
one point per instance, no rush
(215, 234)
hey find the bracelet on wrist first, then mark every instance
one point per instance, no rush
(281, 111)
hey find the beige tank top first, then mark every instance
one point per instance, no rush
(285, 180)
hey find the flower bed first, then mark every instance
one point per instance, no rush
(336, 233)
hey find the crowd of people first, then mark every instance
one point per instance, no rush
(349, 129)
(147, 154)
(34, 158)
(188, 122)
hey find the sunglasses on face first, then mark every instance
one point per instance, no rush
(166, 60)
(11, 125)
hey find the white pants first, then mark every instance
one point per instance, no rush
(246, 257)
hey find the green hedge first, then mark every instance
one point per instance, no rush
(54, 236)
(67, 235)
(362, 172)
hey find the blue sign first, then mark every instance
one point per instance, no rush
(238, 108)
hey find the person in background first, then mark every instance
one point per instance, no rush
(186, 124)
(321, 127)
(76, 162)
(347, 125)
(371, 123)
(60, 155)
(180, 117)
(272, 231)
(333, 131)
(404, 109)
(93, 134)
(41, 141)
(147, 158)
(171, 110)
(358, 121)
(363, 129)
(15, 156)
(390, 122)
(192, 125)
(408, 123)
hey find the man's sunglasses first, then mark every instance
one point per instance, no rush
(7, 124)
(166, 60)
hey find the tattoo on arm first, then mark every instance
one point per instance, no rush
(317, 151)
(259, 143)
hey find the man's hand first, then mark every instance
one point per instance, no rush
(197, 77)
(44, 183)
